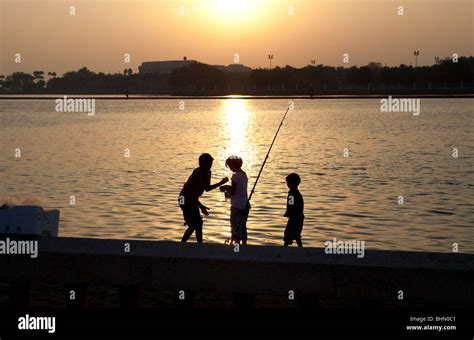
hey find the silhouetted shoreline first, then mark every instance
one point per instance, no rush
(446, 77)
(161, 97)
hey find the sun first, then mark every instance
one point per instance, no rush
(232, 11)
(231, 7)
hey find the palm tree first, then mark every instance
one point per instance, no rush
(51, 74)
(38, 75)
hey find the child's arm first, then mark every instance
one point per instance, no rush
(230, 189)
(204, 209)
(210, 187)
(288, 212)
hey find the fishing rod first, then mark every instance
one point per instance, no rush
(247, 206)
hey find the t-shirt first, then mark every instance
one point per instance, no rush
(239, 197)
(195, 185)
(294, 204)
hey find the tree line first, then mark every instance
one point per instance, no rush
(446, 75)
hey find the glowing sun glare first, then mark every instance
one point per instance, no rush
(231, 9)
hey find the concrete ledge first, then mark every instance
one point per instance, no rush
(273, 254)
(435, 278)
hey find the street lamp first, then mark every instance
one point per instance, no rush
(270, 57)
(416, 54)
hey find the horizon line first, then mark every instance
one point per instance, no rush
(262, 68)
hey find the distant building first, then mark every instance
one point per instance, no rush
(167, 66)
(163, 67)
(233, 68)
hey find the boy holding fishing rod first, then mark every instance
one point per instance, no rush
(197, 183)
(239, 210)
(240, 203)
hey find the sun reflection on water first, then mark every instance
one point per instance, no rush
(237, 115)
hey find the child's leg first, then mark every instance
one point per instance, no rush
(189, 231)
(187, 234)
(300, 230)
(287, 236)
(243, 227)
(198, 225)
(193, 219)
(234, 225)
(298, 241)
(199, 233)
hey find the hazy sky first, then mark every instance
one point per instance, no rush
(213, 31)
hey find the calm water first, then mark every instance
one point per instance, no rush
(390, 155)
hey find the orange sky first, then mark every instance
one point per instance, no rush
(214, 31)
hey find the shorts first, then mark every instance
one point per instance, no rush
(192, 216)
(238, 223)
(293, 229)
